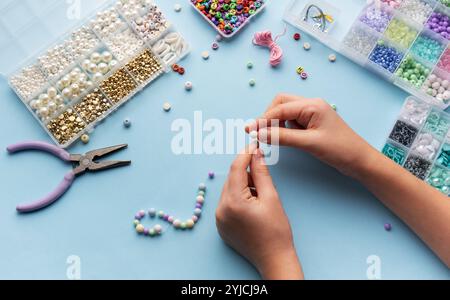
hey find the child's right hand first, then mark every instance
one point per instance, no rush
(313, 126)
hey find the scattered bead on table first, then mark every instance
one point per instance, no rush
(211, 175)
(205, 55)
(304, 75)
(297, 36)
(127, 123)
(188, 86)
(332, 58)
(249, 65)
(85, 138)
(177, 7)
(307, 46)
(387, 227)
(252, 82)
(300, 70)
(167, 107)
(215, 46)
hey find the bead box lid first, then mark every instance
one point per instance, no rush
(403, 46)
(71, 83)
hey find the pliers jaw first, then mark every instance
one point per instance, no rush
(87, 162)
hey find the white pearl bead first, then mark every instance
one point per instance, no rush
(43, 112)
(51, 92)
(95, 57)
(66, 93)
(97, 77)
(103, 68)
(85, 64)
(107, 56)
(92, 68)
(65, 81)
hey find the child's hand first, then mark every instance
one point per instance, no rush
(251, 219)
(313, 126)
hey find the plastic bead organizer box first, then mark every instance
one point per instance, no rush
(404, 42)
(96, 67)
(407, 43)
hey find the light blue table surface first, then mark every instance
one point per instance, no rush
(337, 224)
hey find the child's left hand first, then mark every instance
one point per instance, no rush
(251, 219)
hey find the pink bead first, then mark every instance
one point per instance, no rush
(195, 219)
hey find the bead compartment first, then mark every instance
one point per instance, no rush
(224, 33)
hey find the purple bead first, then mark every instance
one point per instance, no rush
(387, 227)
(145, 231)
(166, 217)
(138, 217)
(211, 175)
(198, 205)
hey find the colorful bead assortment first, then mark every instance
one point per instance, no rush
(437, 87)
(376, 18)
(230, 15)
(439, 23)
(78, 82)
(151, 25)
(413, 71)
(386, 56)
(427, 48)
(395, 153)
(400, 33)
(176, 223)
(417, 10)
(420, 131)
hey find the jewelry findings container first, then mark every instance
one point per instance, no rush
(94, 64)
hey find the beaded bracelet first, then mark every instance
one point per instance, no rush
(176, 223)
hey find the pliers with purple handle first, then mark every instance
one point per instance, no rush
(81, 164)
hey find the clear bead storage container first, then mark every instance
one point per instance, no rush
(420, 142)
(89, 66)
(406, 42)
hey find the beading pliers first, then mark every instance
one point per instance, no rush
(81, 164)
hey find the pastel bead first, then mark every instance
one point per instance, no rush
(140, 228)
(190, 224)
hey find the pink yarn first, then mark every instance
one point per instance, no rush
(264, 39)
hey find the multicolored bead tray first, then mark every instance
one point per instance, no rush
(404, 41)
(228, 17)
(420, 142)
(97, 67)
